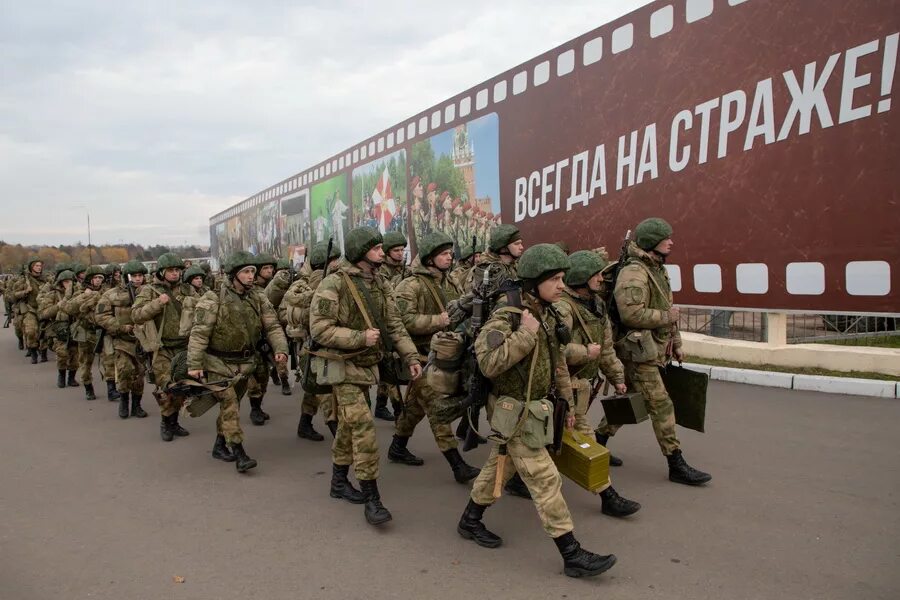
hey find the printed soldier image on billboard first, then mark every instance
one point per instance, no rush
(248, 230)
(267, 239)
(330, 211)
(455, 182)
(379, 194)
(295, 226)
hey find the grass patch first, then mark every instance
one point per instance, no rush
(715, 362)
(887, 342)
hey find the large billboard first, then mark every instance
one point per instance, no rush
(762, 130)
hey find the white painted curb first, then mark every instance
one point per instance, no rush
(814, 383)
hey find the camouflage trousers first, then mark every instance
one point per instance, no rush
(419, 397)
(169, 404)
(645, 378)
(259, 381)
(86, 360)
(355, 441)
(390, 392)
(108, 365)
(17, 325)
(539, 473)
(228, 423)
(312, 403)
(129, 370)
(66, 355)
(31, 330)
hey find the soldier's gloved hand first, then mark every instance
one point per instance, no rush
(593, 351)
(620, 388)
(164, 299)
(372, 337)
(679, 354)
(196, 374)
(529, 322)
(281, 357)
(415, 370)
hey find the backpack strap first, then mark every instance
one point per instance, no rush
(577, 314)
(426, 281)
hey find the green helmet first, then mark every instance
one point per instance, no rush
(92, 271)
(191, 272)
(541, 260)
(33, 260)
(206, 268)
(134, 266)
(111, 268)
(263, 259)
(168, 261)
(317, 258)
(359, 241)
(466, 251)
(393, 239)
(78, 268)
(651, 232)
(283, 264)
(585, 264)
(502, 236)
(238, 261)
(432, 244)
(65, 275)
(63, 266)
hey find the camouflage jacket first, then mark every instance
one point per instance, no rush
(26, 292)
(504, 351)
(167, 317)
(228, 323)
(296, 301)
(190, 290)
(459, 276)
(51, 304)
(418, 307)
(81, 307)
(393, 273)
(599, 331)
(278, 287)
(114, 315)
(643, 297)
(336, 323)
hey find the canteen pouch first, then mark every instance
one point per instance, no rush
(639, 346)
(148, 336)
(328, 371)
(536, 429)
(507, 411)
(443, 382)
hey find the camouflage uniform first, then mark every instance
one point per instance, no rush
(51, 308)
(275, 291)
(25, 296)
(393, 273)
(81, 308)
(337, 324)
(259, 383)
(12, 285)
(645, 305)
(114, 314)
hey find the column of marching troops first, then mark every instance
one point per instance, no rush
(230, 334)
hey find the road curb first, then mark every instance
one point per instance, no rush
(790, 381)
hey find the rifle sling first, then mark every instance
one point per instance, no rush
(355, 292)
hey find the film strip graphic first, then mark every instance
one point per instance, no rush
(583, 52)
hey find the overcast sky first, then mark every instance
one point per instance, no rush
(153, 116)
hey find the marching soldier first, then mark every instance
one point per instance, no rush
(195, 281)
(223, 345)
(521, 352)
(275, 291)
(345, 324)
(259, 383)
(114, 315)
(51, 308)
(296, 303)
(11, 305)
(591, 351)
(81, 307)
(25, 297)
(643, 297)
(113, 273)
(393, 270)
(422, 300)
(468, 258)
(161, 301)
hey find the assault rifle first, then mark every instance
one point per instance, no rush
(479, 386)
(611, 307)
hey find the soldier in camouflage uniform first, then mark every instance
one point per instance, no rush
(421, 300)
(521, 352)
(643, 297)
(80, 307)
(591, 352)
(113, 273)
(162, 301)
(275, 291)
(194, 281)
(114, 315)
(12, 284)
(24, 296)
(338, 324)
(468, 258)
(227, 326)
(296, 309)
(51, 308)
(259, 383)
(393, 270)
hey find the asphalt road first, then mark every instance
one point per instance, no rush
(803, 504)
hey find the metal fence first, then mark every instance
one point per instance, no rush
(855, 330)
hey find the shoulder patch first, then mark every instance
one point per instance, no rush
(495, 338)
(635, 295)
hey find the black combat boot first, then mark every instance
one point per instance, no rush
(681, 472)
(136, 410)
(578, 562)
(399, 454)
(165, 429)
(33, 353)
(471, 528)
(112, 394)
(21, 344)
(243, 463)
(285, 387)
(89, 392)
(177, 429)
(305, 429)
(376, 513)
(462, 471)
(614, 461)
(123, 405)
(71, 380)
(61, 378)
(341, 487)
(44, 355)
(516, 487)
(615, 505)
(220, 450)
(332, 427)
(381, 409)
(256, 413)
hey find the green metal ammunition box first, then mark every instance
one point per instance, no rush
(626, 409)
(583, 460)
